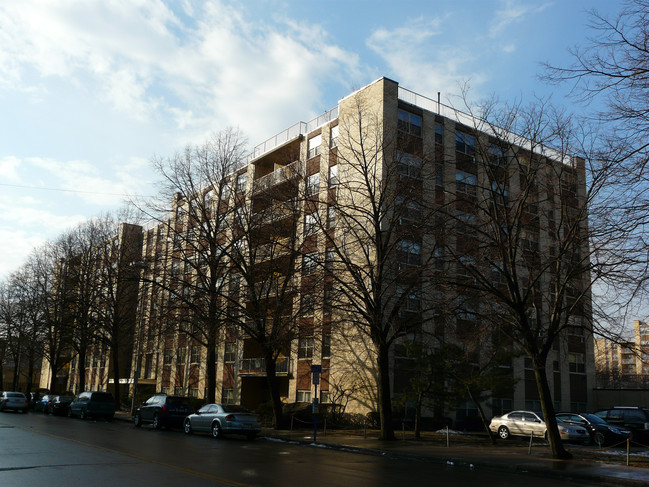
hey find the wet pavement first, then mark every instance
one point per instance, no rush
(468, 452)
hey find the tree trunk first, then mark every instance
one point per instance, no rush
(420, 398)
(483, 418)
(211, 367)
(385, 401)
(82, 369)
(116, 375)
(273, 386)
(556, 446)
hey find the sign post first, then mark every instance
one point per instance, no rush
(316, 370)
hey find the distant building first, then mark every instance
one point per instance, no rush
(624, 364)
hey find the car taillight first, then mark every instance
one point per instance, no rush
(230, 417)
(164, 408)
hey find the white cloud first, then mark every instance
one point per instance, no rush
(513, 11)
(424, 58)
(9, 169)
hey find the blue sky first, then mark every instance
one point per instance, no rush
(90, 91)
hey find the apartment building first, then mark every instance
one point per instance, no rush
(626, 362)
(293, 211)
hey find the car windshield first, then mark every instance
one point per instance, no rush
(16, 394)
(594, 419)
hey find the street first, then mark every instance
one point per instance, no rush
(36, 449)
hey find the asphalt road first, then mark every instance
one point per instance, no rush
(58, 451)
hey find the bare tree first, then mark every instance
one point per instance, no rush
(377, 255)
(194, 210)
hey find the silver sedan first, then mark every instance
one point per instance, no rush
(221, 419)
(527, 423)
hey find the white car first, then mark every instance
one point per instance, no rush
(526, 423)
(13, 400)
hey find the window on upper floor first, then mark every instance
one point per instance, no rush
(465, 183)
(333, 140)
(412, 299)
(496, 155)
(326, 346)
(311, 224)
(309, 263)
(313, 146)
(230, 352)
(409, 123)
(464, 143)
(576, 363)
(408, 252)
(313, 184)
(333, 176)
(242, 181)
(305, 348)
(439, 132)
(408, 165)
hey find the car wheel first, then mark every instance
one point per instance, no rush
(216, 430)
(188, 427)
(598, 438)
(82, 414)
(503, 432)
(137, 421)
(156, 422)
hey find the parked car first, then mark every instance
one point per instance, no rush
(16, 401)
(59, 405)
(33, 398)
(163, 410)
(601, 433)
(635, 419)
(221, 419)
(93, 404)
(42, 402)
(524, 423)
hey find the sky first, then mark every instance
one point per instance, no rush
(91, 91)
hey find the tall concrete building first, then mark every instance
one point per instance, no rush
(308, 190)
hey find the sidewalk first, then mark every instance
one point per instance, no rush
(474, 453)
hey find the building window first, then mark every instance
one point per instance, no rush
(500, 406)
(164, 389)
(182, 354)
(408, 165)
(307, 305)
(412, 301)
(333, 138)
(230, 352)
(313, 184)
(227, 396)
(333, 176)
(168, 356)
(193, 392)
(305, 348)
(314, 146)
(409, 123)
(178, 391)
(326, 346)
(331, 216)
(325, 398)
(409, 209)
(439, 175)
(303, 396)
(465, 182)
(196, 355)
(311, 224)
(330, 256)
(309, 264)
(439, 132)
(408, 252)
(500, 193)
(465, 308)
(464, 143)
(242, 180)
(576, 363)
(466, 222)
(148, 366)
(496, 155)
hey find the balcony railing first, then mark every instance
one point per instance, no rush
(278, 176)
(257, 366)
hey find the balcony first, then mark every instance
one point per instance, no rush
(257, 367)
(278, 176)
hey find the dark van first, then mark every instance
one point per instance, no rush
(93, 404)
